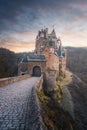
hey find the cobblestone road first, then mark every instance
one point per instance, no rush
(14, 105)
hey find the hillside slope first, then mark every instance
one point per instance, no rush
(8, 63)
(77, 61)
(78, 91)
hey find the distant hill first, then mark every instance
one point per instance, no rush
(77, 61)
(8, 63)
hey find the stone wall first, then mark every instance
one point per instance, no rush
(52, 61)
(63, 65)
(39, 84)
(6, 81)
(22, 68)
(31, 65)
(38, 44)
(35, 107)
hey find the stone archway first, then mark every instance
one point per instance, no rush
(36, 71)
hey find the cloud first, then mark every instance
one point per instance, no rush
(17, 45)
(72, 37)
(13, 12)
(21, 19)
(82, 5)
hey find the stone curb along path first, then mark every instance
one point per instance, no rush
(35, 119)
(10, 80)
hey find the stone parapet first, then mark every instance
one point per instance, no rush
(36, 118)
(39, 84)
(6, 81)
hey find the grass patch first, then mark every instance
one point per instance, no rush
(66, 80)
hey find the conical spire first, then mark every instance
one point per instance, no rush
(53, 34)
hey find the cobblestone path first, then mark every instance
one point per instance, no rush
(15, 105)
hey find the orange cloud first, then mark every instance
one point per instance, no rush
(24, 48)
(17, 45)
(69, 37)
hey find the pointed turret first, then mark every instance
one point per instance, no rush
(53, 34)
(60, 47)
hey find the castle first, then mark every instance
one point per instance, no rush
(49, 56)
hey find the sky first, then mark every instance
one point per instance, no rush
(20, 21)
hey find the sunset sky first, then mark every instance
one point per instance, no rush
(20, 21)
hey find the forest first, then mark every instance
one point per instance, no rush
(76, 62)
(9, 62)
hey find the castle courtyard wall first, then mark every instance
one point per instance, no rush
(32, 64)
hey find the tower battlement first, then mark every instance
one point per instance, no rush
(44, 38)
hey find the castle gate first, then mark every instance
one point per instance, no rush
(37, 71)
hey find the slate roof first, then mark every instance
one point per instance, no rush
(36, 58)
(53, 34)
(33, 57)
(25, 60)
(58, 53)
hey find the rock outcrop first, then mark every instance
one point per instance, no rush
(54, 116)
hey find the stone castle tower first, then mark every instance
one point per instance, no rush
(49, 56)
